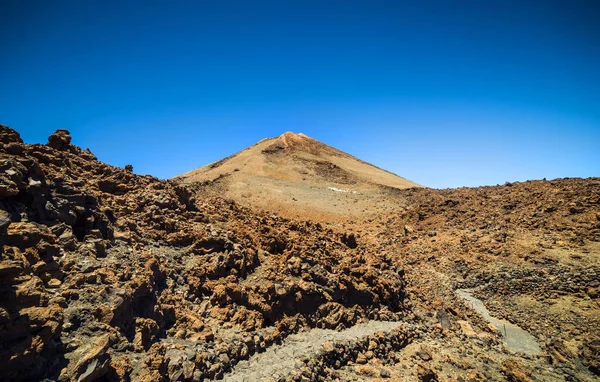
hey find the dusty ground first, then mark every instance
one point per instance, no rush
(300, 177)
(107, 275)
(531, 249)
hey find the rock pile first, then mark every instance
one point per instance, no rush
(336, 355)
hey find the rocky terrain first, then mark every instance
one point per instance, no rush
(108, 275)
(531, 250)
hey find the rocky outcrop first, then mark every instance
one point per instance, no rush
(105, 274)
(60, 140)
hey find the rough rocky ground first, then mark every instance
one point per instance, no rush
(108, 275)
(296, 351)
(532, 250)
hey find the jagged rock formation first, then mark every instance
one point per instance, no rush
(104, 273)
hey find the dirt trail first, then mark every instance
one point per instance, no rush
(279, 360)
(515, 338)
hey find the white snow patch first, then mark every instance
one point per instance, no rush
(341, 190)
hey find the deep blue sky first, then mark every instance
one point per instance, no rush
(445, 93)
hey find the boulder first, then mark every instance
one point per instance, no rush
(60, 140)
(515, 371)
(4, 223)
(26, 234)
(467, 329)
(90, 361)
(8, 135)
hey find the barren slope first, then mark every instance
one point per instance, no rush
(301, 177)
(107, 275)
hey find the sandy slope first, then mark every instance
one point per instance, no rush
(298, 176)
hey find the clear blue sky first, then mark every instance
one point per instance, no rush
(445, 93)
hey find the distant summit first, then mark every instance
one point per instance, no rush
(292, 172)
(298, 142)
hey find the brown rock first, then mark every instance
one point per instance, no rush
(145, 332)
(90, 361)
(24, 234)
(514, 371)
(39, 267)
(8, 135)
(425, 374)
(367, 370)
(60, 140)
(467, 329)
(54, 283)
(10, 269)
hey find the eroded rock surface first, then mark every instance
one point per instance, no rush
(108, 274)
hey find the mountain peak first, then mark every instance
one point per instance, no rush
(293, 172)
(290, 140)
(290, 134)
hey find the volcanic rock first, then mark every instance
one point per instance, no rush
(109, 275)
(60, 140)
